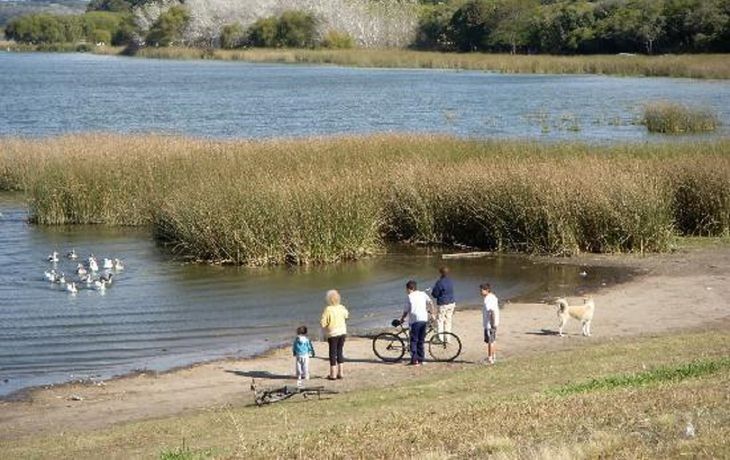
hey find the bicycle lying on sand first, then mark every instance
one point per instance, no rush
(390, 347)
(273, 395)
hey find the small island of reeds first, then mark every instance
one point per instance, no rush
(673, 118)
(333, 199)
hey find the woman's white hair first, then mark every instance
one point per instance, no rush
(333, 297)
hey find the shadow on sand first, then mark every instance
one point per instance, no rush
(261, 375)
(542, 332)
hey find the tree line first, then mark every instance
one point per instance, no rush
(514, 26)
(576, 26)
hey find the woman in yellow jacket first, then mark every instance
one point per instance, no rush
(334, 324)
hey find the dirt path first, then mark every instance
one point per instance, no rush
(687, 289)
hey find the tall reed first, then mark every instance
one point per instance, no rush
(673, 118)
(324, 200)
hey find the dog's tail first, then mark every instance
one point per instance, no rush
(562, 306)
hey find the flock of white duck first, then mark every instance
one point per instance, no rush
(91, 274)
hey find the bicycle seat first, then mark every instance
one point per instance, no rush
(396, 323)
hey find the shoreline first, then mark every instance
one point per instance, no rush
(650, 304)
(25, 394)
(697, 66)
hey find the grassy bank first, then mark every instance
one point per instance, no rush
(326, 200)
(692, 66)
(684, 65)
(526, 407)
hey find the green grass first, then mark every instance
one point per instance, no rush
(328, 200)
(674, 118)
(663, 374)
(461, 411)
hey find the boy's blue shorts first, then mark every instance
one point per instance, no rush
(490, 335)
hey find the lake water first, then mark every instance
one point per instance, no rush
(46, 94)
(159, 313)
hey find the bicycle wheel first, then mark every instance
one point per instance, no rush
(389, 347)
(444, 346)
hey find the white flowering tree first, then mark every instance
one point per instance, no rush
(372, 24)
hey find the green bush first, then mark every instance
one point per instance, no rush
(53, 30)
(232, 36)
(292, 29)
(264, 32)
(101, 36)
(169, 27)
(337, 40)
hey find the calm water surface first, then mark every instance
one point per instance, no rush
(160, 313)
(47, 94)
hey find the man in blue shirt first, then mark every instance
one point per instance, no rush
(443, 292)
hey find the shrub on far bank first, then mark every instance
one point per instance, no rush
(673, 118)
(292, 29)
(337, 40)
(232, 36)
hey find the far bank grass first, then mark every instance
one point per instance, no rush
(690, 66)
(684, 65)
(328, 200)
(461, 411)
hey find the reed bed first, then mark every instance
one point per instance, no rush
(674, 118)
(685, 65)
(327, 200)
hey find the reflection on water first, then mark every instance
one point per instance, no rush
(160, 313)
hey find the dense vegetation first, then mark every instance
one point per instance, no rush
(316, 201)
(577, 26)
(92, 27)
(515, 26)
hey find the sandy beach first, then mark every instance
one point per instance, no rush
(687, 289)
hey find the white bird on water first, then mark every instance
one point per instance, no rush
(71, 287)
(60, 279)
(81, 270)
(118, 265)
(583, 273)
(72, 255)
(100, 285)
(93, 265)
(53, 257)
(107, 264)
(50, 276)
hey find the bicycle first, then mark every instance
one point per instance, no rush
(390, 347)
(262, 397)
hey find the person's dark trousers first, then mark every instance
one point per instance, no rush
(336, 344)
(418, 336)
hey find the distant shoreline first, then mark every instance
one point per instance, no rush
(702, 66)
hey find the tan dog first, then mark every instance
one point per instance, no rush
(583, 313)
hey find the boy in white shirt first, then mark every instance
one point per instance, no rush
(490, 320)
(419, 308)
